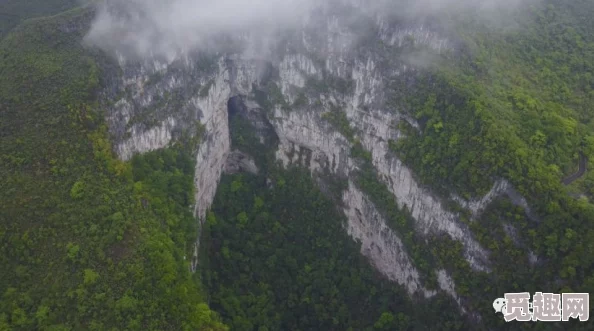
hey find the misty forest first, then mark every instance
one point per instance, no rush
(293, 165)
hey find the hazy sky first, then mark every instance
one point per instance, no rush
(143, 26)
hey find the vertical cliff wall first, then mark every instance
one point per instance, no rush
(328, 65)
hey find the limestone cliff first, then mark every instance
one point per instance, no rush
(329, 64)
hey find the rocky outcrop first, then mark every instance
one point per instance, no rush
(315, 71)
(212, 153)
(240, 162)
(379, 243)
(500, 188)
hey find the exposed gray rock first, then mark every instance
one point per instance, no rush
(501, 188)
(323, 64)
(240, 162)
(379, 243)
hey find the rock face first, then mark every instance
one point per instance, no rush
(378, 242)
(327, 65)
(240, 162)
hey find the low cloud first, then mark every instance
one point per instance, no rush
(162, 27)
(143, 27)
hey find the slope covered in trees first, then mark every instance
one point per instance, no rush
(280, 259)
(517, 104)
(86, 241)
(12, 12)
(89, 242)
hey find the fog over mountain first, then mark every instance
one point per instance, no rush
(155, 27)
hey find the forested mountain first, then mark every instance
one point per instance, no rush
(330, 165)
(12, 12)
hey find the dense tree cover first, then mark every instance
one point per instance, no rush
(280, 259)
(503, 109)
(433, 252)
(275, 256)
(12, 12)
(491, 112)
(516, 104)
(86, 241)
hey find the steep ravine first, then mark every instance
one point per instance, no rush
(160, 101)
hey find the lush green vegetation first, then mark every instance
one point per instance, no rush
(279, 259)
(86, 241)
(12, 12)
(513, 104)
(275, 256)
(338, 119)
(89, 242)
(516, 104)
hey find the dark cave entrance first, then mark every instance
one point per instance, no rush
(235, 106)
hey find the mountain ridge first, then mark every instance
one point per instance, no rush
(332, 111)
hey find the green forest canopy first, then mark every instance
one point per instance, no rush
(90, 242)
(86, 241)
